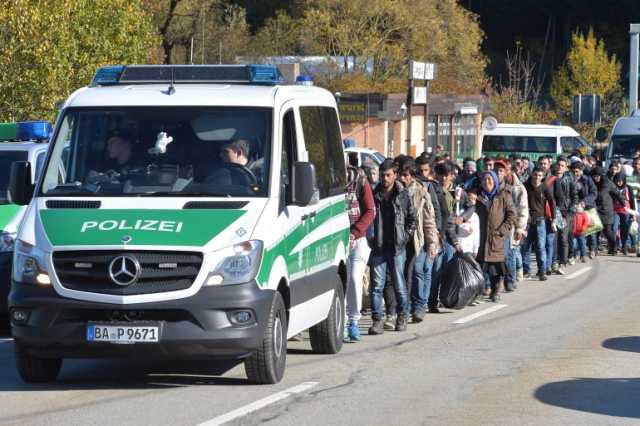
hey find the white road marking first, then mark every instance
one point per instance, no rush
(577, 273)
(480, 314)
(254, 406)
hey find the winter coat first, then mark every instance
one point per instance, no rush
(430, 186)
(520, 203)
(587, 191)
(426, 232)
(607, 193)
(404, 224)
(564, 192)
(497, 218)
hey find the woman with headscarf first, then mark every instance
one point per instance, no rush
(623, 211)
(497, 217)
(607, 193)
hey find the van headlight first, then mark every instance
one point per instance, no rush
(7, 240)
(29, 265)
(237, 264)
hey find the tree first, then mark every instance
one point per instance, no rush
(50, 48)
(588, 68)
(202, 31)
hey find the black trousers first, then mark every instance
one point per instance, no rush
(610, 236)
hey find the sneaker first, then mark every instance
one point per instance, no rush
(583, 259)
(558, 271)
(390, 322)
(401, 323)
(592, 254)
(527, 276)
(377, 327)
(548, 272)
(624, 251)
(495, 298)
(520, 275)
(434, 310)
(353, 332)
(572, 261)
(542, 277)
(418, 316)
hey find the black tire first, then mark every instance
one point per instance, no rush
(36, 370)
(327, 336)
(267, 364)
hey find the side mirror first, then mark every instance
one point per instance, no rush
(20, 184)
(602, 134)
(305, 186)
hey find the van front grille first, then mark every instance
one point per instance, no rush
(160, 271)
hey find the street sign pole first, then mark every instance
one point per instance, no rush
(633, 67)
(426, 120)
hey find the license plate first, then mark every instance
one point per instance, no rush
(123, 334)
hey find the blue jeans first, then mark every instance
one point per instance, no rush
(378, 265)
(536, 236)
(580, 246)
(513, 260)
(421, 286)
(439, 265)
(550, 246)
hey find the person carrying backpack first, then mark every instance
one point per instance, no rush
(361, 210)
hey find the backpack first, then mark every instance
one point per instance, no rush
(548, 214)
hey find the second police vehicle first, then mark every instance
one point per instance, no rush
(25, 141)
(183, 212)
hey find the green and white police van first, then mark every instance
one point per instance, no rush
(25, 141)
(184, 212)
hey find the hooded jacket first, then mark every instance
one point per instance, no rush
(497, 218)
(426, 234)
(607, 193)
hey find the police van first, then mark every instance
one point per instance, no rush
(184, 212)
(24, 141)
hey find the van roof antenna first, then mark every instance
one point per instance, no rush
(171, 89)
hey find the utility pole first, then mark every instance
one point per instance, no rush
(633, 67)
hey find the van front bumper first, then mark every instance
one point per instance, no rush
(198, 327)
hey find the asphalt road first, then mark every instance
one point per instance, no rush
(561, 352)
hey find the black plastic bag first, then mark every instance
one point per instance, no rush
(462, 281)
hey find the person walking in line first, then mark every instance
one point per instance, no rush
(633, 181)
(566, 202)
(361, 209)
(587, 192)
(624, 212)
(425, 242)
(394, 224)
(497, 217)
(513, 255)
(607, 193)
(540, 198)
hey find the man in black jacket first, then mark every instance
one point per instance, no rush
(607, 193)
(587, 193)
(394, 225)
(540, 199)
(564, 191)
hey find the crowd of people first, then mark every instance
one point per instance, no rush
(410, 217)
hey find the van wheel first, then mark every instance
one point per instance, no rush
(326, 337)
(36, 370)
(266, 365)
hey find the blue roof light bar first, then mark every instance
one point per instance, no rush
(188, 74)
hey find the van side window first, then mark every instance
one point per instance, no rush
(289, 143)
(569, 144)
(324, 144)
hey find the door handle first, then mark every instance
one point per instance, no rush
(308, 216)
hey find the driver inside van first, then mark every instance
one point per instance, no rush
(119, 152)
(237, 152)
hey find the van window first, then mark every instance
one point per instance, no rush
(324, 144)
(538, 144)
(570, 144)
(289, 144)
(161, 151)
(625, 145)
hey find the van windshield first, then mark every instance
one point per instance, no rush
(6, 159)
(161, 151)
(539, 144)
(625, 145)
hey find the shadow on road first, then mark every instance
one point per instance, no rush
(611, 397)
(121, 374)
(626, 343)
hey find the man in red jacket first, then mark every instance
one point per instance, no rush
(361, 209)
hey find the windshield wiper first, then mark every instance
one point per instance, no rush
(74, 188)
(180, 194)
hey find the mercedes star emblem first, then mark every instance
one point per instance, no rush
(124, 270)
